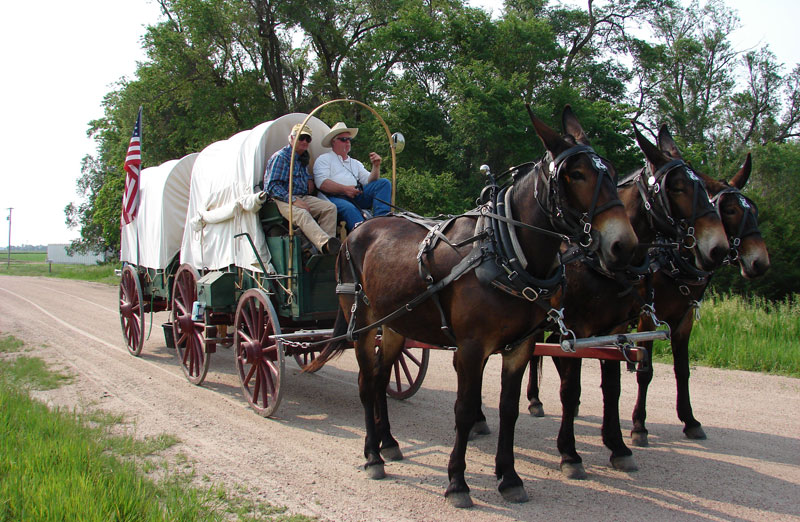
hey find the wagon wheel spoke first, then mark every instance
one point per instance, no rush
(189, 334)
(408, 376)
(259, 357)
(131, 311)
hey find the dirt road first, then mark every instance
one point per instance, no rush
(309, 457)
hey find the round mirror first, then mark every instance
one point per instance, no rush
(398, 142)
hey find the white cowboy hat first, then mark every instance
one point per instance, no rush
(335, 131)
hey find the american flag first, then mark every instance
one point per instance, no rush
(133, 162)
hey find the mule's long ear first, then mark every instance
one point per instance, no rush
(651, 152)
(667, 144)
(551, 140)
(572, 127)
(741, 177)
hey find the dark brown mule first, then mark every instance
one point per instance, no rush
(676, 300)
(382, 254)
(597, 303)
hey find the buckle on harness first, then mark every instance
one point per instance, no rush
(530, 294)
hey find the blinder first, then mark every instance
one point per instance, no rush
(656, 202)
(748, 226)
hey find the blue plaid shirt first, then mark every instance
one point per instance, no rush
(276, 177)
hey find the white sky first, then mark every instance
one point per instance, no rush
(60, 58)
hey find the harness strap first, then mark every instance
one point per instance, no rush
(465, 265)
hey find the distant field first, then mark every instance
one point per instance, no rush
(34, 264)
(24, 257)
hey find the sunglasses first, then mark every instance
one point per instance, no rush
(345, 140)
(305, 137)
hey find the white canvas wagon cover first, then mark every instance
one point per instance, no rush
(224, 199)
(159, 222)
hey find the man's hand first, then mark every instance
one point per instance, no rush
(299, 203)
(351, 192)
(375, 159)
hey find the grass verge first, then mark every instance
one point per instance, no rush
(97, 273)
(745, 334)
(57, 465)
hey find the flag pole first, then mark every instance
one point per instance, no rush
(139, 188)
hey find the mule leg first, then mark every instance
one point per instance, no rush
(571, 462)
(680, 359)
(535, 406)
(643, 380)
(621, 455)
(511, 385)
(469, 367)
(365, 354)
(480, 427)
(391, 346)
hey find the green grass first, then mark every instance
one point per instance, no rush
(745, 334)
(57, 465)
(24, 257)
(97, 273)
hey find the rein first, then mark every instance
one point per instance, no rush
(494, 248)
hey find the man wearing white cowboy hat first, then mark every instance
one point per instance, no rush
(346, 182)
(306, 207)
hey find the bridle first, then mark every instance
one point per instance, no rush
(657, 205)
(748, 226)
(565, 219)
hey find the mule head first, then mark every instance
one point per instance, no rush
(680, 205)
(583, 200)
(740, 218)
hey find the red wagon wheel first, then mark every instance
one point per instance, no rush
(188, 334)
(408, 372)
(304, 359)
(259, 356)
(131, 310)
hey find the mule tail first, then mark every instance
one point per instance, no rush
(332, 349)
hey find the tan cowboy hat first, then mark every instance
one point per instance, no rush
(300, 129)
(335, 131)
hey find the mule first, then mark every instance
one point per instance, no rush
(673, 207)
(386, 259)
(676, 300)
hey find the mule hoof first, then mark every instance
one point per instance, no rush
(573, 471)
(639, 438)
(695, 433)
(626, 463)
(480, 428)
(537, 410)
(375, 471)
(392, 453)
(516, 495)
(460, 500)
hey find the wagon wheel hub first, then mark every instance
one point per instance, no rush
(126, 309)
(252, 351)
(185, 322)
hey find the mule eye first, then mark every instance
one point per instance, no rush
(576, 175)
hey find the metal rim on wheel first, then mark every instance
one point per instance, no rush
(131, 310)
(260, 360)
(189, 335)
(408, 372)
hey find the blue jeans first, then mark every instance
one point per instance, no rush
(349, 209)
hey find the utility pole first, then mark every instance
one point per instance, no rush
(8, 266)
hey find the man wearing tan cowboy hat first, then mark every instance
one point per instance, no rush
(346, 182)
(306, 207)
